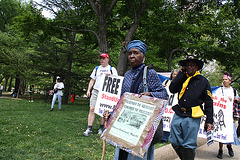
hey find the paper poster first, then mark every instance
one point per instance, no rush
(109, 93)
(223, 120)
(133, 123)
(168, 114)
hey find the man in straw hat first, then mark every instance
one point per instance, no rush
(193, 90)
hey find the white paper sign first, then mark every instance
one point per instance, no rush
(109, 93)
(168, 114)
(223, 120)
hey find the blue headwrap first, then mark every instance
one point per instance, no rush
(137, 44)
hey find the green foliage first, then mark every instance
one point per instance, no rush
(8, 9)
(210, 30)
(213, 71)
(14, 54)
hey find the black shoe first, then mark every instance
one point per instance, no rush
(51, 110)
(230, 150)
(177, 150)
(220, 154)
(187, 153)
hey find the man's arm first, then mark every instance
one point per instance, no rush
(208, 107)
(90, 85)
(176, 84)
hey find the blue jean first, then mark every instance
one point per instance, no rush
(184, 131)
(55, 97)
(148, 156)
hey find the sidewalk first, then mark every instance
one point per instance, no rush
(203, 152)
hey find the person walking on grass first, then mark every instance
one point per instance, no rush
(103, 69)
(1, 89)
(58, 93)
(193, 90)
(31, 92)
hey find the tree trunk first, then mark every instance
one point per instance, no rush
(67, 85)
(102, 26)
(122, 61)
(6, 83)
(123, 57)
(10, 85)
(17, 84)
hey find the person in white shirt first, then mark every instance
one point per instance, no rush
(58, 93)
(103, 69)
(1, 89)
(227, 91)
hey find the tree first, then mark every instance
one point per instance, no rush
(8, 10)
(137, 10)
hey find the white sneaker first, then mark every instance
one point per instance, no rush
(87, 132)
(32, 101)
(100, 131)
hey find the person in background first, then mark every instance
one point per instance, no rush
(193, 90)
(1, 89)
(133, 83)
(31, 92)
(103, 69)
(166, 84)
(72, 96)
(229, 92)
(50, 94)
(58, 93)
(238, 128)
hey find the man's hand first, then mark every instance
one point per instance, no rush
(183, 69)
(238, 99)
(207, 125)
(230, 98)
(88, 93)
(106, 115)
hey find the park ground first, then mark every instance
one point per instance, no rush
(29, 131)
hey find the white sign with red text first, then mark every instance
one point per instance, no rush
(109, 94)
(223, 120)
(168, 114)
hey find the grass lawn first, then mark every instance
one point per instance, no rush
(29, 131)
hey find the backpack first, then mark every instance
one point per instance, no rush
(96, 68)
(159, 132)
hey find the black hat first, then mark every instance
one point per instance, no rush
(191, 58)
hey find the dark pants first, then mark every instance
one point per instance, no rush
(238, 129)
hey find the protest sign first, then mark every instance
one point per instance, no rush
(223, 120)
(133, 123)
(168, 114)
(109, 93)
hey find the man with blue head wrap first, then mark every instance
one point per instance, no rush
(133, 83)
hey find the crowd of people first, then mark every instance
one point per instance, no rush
(193, 91)
(191, 88)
